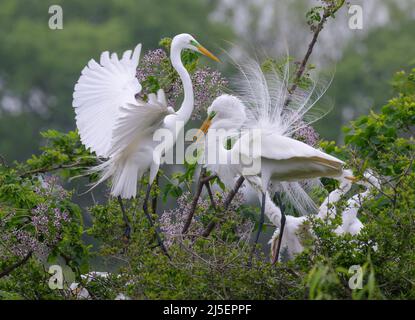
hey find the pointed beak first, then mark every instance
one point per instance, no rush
(207, 53)
(351, 178)
(203, 129)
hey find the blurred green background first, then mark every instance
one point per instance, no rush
(39, 66)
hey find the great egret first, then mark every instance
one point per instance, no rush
(262, 106)
(116, 125)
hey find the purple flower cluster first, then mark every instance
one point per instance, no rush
(50, 187)
(43, 230)
(59, 217)
(48, 222)
(172, 221)
(308, 135)
(26, 242)
(150, 64)
(40, 219)
(207, 84)
(19, 243)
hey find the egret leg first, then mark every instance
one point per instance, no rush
(283, 219)
(261, 223)
(150, 220)
(127, 231)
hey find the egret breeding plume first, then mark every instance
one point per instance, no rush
(265, 104)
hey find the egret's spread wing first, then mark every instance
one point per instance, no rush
(136, 121)
(102, 89)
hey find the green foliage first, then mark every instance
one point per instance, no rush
(218, 266)
(382, 142)
(38, 221)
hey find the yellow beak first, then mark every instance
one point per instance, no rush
(203, 129)
(352, 179)
(207, 53)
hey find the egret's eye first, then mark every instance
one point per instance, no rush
(212, 115)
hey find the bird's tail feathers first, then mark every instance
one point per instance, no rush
(124, 176)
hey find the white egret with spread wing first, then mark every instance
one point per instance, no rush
(118, 126)
(115, 124)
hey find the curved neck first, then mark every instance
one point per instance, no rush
(325, 210)
(186, 108)
(271, 210)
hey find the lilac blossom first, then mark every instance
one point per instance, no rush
(150, 64)
(207, 84)
(172, 221)
(43, 230)
(50, 187)
(308, 135)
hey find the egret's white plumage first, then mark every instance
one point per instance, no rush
(102, 89)
(265, 105)
(116, 125)
(113, 123)
(291, 239)
(132, 147)
(262, 104)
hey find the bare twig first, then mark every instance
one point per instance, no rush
(196, 197)
(154, 199)
(48, 169)
(228, 201)
(16, 265)
(3, 161)
(328, 11)
(210, 193)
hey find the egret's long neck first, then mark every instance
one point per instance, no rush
(271, 210)
(186, 108)
(325, 210)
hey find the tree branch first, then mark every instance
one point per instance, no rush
(228, 201)
(328, 11)
(48, 169)
(196, 197)
(16, 265)
(3, 161)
